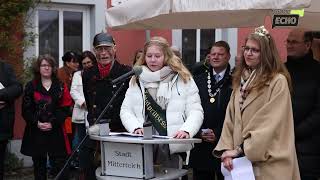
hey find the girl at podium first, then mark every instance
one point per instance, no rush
(165, 95)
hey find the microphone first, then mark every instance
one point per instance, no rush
(136, 70)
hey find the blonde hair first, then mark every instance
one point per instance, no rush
(170, 59)
(270, 63)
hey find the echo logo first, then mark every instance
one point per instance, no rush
(285, 20)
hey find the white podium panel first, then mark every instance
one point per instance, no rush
(123, 160)
(131, 157)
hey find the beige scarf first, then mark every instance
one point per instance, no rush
(247, 78)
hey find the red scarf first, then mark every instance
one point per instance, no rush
(104, 71)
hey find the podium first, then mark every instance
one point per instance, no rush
(125, 157)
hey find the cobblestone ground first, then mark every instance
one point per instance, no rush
(27, 174)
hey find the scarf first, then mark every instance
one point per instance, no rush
(247, 78)
(158, 84)
(104, 71)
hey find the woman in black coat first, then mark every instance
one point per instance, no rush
(10, 89)
(45, 105)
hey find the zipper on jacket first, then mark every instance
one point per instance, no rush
(183, 117)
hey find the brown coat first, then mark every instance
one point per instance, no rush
(265, 127)
(65, 75)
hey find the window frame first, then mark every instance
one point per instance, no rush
(61, 8)
(95, 23)
(229, 35)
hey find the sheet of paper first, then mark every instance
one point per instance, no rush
(2, 102)
(242, 170)
(225, 173)
(136, 135)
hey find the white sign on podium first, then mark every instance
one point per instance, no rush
(128, 156)
(124, 160)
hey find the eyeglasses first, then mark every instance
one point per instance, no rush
(246, 49)
(293, 42)
(104, 48)
(45, 66)
(86, 63)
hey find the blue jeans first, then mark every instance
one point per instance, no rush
(80, 133)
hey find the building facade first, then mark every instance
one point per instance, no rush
(63, 25)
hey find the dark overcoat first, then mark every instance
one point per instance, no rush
(214, 114)
(305, 75)
(98, 92)
(45, 106)
(12, 89)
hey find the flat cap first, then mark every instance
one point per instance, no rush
(103, 39)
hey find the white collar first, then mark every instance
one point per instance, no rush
(221, 74)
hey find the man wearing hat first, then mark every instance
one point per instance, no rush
(97, 87)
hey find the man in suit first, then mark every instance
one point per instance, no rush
(213, 78)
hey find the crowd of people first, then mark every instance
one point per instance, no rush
(263, 109)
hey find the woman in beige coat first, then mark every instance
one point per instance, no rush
(259, 120)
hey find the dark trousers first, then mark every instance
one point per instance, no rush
(87, 165)
(303, 177)
(40, 167)
(3, 147)
(203, 174)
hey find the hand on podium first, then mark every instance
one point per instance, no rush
(181, 135)
(138, 131)
(94, 130)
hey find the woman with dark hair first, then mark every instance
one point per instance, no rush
(45, 105)
(65, 73)
(79, 111)
(87, 59)
(79, 114)
(259, 119)
(70, 65)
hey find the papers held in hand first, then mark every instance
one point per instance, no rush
(136, 135)
(1, 86)
(242, 170)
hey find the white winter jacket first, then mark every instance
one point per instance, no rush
(184, 111)
(76, 91)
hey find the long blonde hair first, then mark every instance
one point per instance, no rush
(269, 66)
(170, 59)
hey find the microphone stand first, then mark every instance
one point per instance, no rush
(86, 136)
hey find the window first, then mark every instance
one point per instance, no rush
(189, 46)
(62, 28)
(207, 38)
(72, 31)
(195, 44)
